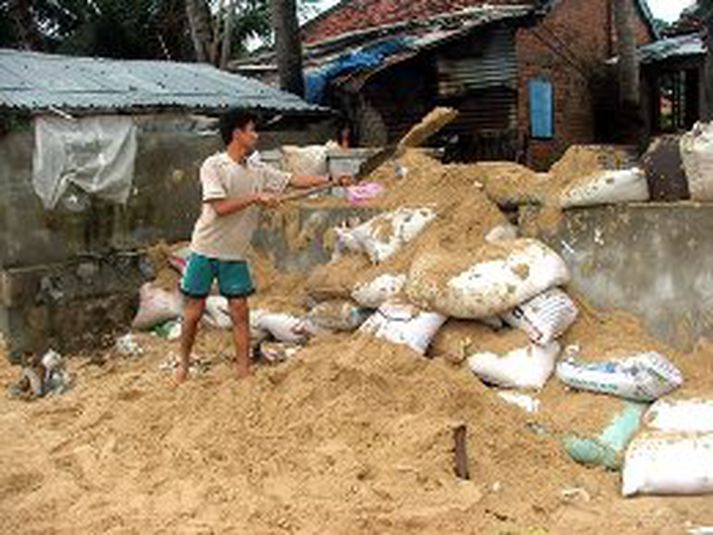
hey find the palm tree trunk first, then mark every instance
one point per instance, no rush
(708, 111)
(28, 33)
(628, 61)
(200, 22)
(288, 46)
(227, 35)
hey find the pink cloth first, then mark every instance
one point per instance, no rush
(364, 191)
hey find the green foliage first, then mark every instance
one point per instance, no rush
(132, 29)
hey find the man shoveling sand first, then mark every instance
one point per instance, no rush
(234, 189)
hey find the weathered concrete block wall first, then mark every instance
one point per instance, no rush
(64, 273)
(655, 260)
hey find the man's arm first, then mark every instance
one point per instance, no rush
(311, 181)
(225, 207)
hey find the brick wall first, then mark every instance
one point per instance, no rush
(569, 44)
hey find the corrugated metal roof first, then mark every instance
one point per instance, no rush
(31, 81)
(684, 45)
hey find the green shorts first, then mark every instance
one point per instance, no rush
(234, 279)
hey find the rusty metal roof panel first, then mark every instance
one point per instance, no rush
(31, 81)
(681, 46)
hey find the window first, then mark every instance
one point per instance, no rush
(541, 109)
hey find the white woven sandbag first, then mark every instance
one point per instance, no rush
(156, 306)
(544, 317)
(644, 376)
(217, 312)
(385, 234)
(697, 154)
(607, 187)
(282, 327)
(378, 291)
(309, 160)
(515, 271)
(525, 367)
(685, 415)
(405, 324)
(658, 462)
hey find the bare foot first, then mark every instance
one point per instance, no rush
(243, 372)
(181, 373)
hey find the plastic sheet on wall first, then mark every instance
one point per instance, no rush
(96, 154)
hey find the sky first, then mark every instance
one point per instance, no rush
(668, 10)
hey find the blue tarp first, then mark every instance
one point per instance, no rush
(365, 58)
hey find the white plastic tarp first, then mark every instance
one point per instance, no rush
(96, 154)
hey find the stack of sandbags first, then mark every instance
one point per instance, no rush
(514, 281)
(674, 455)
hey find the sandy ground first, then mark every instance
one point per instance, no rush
(352, 436)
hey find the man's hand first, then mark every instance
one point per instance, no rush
(267, 200)
(345, 180)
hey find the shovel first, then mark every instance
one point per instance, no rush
(429, 125)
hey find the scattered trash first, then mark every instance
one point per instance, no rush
(276, 352)
(607, 448)
(575, 494)
(526, 367)
(127, 346)
(196, 366)
(406, 324)
(525, 402)
(545, 317)
(642, 377)
(170, 330)
(658, 462)
(42, 376)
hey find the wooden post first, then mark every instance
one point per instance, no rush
(461, 453)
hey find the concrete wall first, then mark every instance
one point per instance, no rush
(67, 275)
(655, 260)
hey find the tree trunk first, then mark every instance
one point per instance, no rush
(628, 60)
(708, 111)
(227, 35)
(288, 46)
(200, 22)
(28, 33)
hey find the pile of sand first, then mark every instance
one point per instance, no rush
(352, 435)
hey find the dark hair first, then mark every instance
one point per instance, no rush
(232, 120)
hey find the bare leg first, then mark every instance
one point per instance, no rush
(240, 315)
(192, 313)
